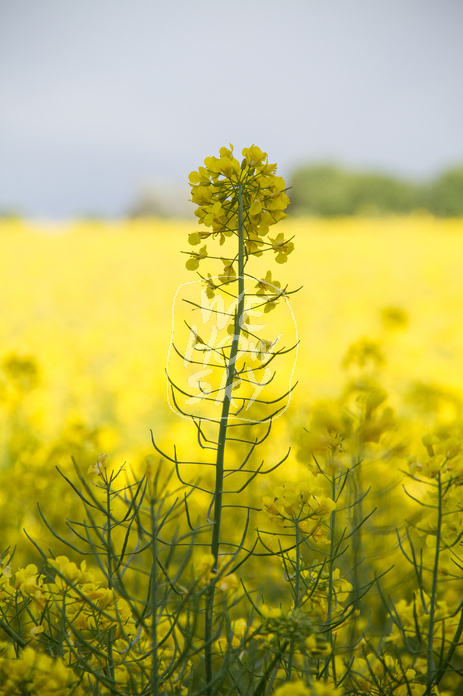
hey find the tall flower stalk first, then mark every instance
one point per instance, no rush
(240, 200)
(237, 203)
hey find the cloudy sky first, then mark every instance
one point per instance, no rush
(101, 98)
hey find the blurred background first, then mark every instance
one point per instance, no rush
(107, 105)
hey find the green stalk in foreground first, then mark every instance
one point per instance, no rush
(219, 467)
(240, 201)
(231, 372)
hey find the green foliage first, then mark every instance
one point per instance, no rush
(321, 190)
(327, 190)
(444, 196)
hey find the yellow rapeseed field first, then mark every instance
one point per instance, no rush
(90, 304)
(84, 340)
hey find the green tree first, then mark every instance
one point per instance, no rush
(328, 191)
(323, 189)
(444, 196)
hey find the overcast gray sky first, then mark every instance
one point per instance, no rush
(98, 98)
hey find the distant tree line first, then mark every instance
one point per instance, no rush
(328, 191)
(323, 190)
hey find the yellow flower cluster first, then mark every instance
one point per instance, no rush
(444, 455)
(317, 594)
(81, 602)
(299, 688)
(414, 618)
(203, 571)
(240, 632)
(388, 676)
(217, 188)
(31, 673)
(88, 612)
(441, 523)
(296, 626)
(303, 504)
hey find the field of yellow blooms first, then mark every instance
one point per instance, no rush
(90, 306)
(88, 314)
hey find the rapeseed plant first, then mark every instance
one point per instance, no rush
(239, 201)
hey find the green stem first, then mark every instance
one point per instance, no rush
(357, 519)
(153, 601)
(296, 599)
(219, 467)
(431, 670)
(330, 574)
(12, 634)
(446, 662)
(108, 535)
(356, 477)
(298, 568)
(109, 560)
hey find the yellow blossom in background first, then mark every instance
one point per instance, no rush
(36, 673)
(301, 504)
(204, 564)
(296, 688)
(299, 688)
